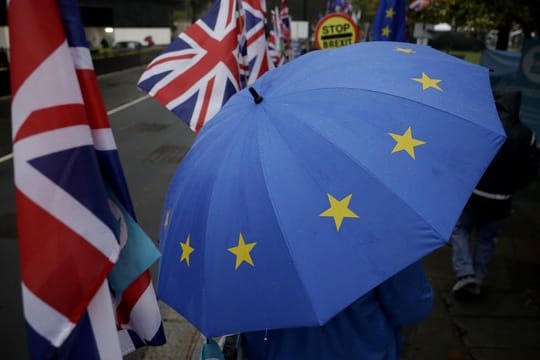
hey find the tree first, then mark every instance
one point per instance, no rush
(368, 7)
(484, 15)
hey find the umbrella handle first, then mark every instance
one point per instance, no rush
(256, 97)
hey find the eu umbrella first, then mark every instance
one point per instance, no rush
(328, 176)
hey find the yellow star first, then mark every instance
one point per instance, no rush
(428, 82)
(404, 50)
(339, 209)
(406, 142)
(166, 221)
(242, 251)
(390, 13)
(186, 251)
(386, 31)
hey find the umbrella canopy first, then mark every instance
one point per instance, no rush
(330, 175)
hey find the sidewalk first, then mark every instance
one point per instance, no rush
(504, 323)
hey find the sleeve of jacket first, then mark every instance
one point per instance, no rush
(407, 297)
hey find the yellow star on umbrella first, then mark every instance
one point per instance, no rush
(386, 31)
(390, 13)
(242, 252)
(428, 82)
(339, 210)
(406, 142)
(404, 50)
(186, 251)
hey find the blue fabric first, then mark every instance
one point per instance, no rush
(469, 259)
(138, 254)
(265, 175)
(370, 328)
(210, 350)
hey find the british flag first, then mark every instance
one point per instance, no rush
(257, 57)
(338, 6)
(198, 72)
(275, 48)
(285, 29)
(66, 164)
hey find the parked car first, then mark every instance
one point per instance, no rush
(127, 45)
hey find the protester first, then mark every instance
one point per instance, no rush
(149, 40)
(105, 43)
(370, 328)
(513, 168)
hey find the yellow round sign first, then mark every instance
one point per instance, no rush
(335, 30)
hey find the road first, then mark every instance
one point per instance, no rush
(151, 142)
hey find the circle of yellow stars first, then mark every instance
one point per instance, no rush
(338, 210)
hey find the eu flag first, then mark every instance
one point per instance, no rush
(389, 24)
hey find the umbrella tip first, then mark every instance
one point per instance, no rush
(256, 97)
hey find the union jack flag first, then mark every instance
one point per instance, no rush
(257, 57)
(66, 165)
(199, 71)
(274, 50)
(275, 40)
(285, 29)
(339, 6)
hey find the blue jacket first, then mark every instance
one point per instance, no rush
(370, 328)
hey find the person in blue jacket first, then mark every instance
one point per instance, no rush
(369, 329)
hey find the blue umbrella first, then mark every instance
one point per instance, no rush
(328, 176)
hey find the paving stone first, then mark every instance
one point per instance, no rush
(506, 354)
(535, 297)
(502, 332)
(498, 277)
(525, 275)
(434, 338)
(183, 340)
(491, 303)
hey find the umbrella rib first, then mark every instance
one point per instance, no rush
(290, 95)
(279, 222)
(221, 166)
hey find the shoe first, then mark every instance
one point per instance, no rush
(465, 288)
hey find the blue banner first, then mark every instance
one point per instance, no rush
(528, 80)
(503, 66)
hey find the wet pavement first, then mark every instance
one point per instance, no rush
(504, 322)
